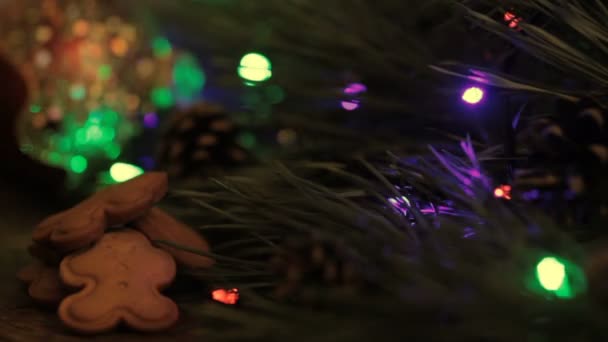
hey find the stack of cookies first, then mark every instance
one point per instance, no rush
(96, 260)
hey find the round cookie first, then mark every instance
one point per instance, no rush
(120, 278)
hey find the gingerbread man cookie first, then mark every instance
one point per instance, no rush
(121, 277)
(85, 223)
(158, 225)
(44, 284)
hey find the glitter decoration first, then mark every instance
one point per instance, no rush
(92, 75)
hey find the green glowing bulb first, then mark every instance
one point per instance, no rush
(188, 77)
(35, 108)
(247, 140)
(275, 94)
(78, 164)
(78, 92)
(551, 273)
(162, 47)
(113, 150)
(162, 98)
(104, 72)
(54, 158)
(255, 67)
(122, 172)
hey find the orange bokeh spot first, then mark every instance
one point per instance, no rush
(81, 28)
(119, 46)
(230, 297)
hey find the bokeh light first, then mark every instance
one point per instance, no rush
(122, 172)
(473, 95)
(162, 97)
(255, 67)
(551, 273)
(355, 88)
(230, 297)
(188, 77)
(503, 191)
(350, 105)
(162, 47)
(78, 164)
(151, 120)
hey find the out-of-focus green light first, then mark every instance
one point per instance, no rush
(275, 94)
(162, 97)
(105, 72)
(255, 67)
(162, 47)
(113, 150)
(188, 77)
(54, 158)
(247, 140)
(35, 108)
(78, 92)
(78, 164)
(122, 172)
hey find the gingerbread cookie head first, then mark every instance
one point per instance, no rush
(120, 278)
(85, 223)
(158, 225)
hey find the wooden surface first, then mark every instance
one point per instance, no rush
(20, 319)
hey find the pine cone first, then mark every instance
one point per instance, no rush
(313, 262)
(201, 140)
(568, 162)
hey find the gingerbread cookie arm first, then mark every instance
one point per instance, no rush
(158, 225)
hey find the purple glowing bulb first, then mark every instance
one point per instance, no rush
(151, 120)
(355, 88)
(472, 95)
(350, 105)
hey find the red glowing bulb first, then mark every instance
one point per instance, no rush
(509, 16)
(230, 297)
(503, 191)
(512, 19)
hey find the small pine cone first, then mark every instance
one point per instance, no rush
(201, 140)
(568, 162)
(311, 262)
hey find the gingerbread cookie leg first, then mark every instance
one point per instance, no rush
(121, 278)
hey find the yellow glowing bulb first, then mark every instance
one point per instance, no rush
(122, 172)
(551, 273)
